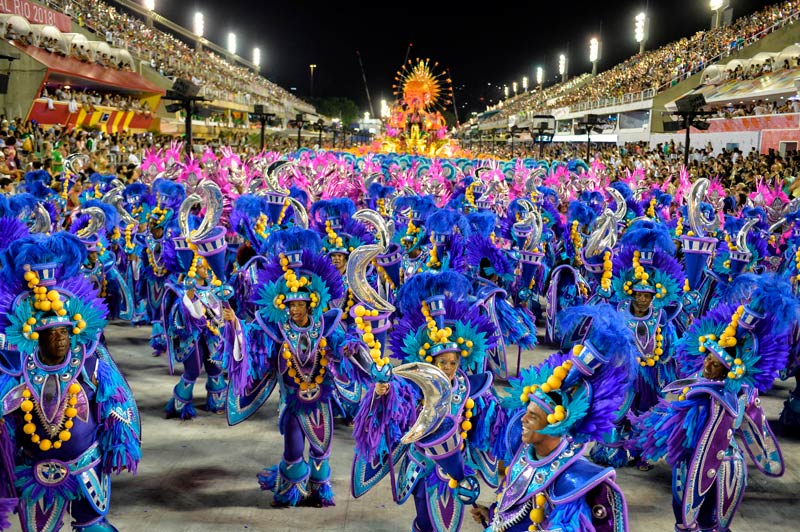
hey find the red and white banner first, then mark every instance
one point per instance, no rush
(36, 14)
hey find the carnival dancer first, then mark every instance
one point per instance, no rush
(410, 214)
(162, 226)
(730, 355)
(439, 326)
(492, 274)
(569, 400)
(295, 341)
(134, 210)
(70, 415)
(197, 317)
(334, 218)
(647, 283)
(94, 225)
(568, 286)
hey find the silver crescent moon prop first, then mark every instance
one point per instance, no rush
(741, 236)
(97, 219)
(271, 177)
(41, 220)
(116, 190)
(75, 162)
(375, 220)
(697, 220)
(209, 195)
(372, 178)
(622, 207)
(356, 273)
(535, 219)
(436, 390)
(124, 215)
(604, 235)
(777, 225)
(300, 212)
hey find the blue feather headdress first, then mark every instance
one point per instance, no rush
(623, 188)
(648, 236)
(39, 190)
(583, 389)
(250, 218)
(582, 213)
(296, 272)
(482, 223)
(437, 319)
(752, 340)
(43, 287)
(22, 205)
(111, 215)
(343, 233)
(443, 223)
(486, 259)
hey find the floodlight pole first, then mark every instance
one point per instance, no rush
(688, 119)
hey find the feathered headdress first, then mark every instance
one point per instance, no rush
(749, 334)
(438, 319)
(43, 287)
(297, 272)
(582, 389)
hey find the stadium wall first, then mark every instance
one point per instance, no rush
(26, 76)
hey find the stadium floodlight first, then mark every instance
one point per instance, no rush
(718, 6)
(594, 54)
(199, 26)
(232, 43)
(640, 30)
(257, 57)
(525, 83)
(539, 76)
(505, 90)
(562, 67)
(385, 111)
(514, 87)
(150, 5)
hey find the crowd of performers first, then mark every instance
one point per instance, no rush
(392, 292)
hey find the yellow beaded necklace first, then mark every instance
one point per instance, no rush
(45, 444)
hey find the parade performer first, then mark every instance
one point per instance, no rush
(162, 226)
(410, 214)
(647, 282)
(438, 326)
(731, 355)
(196, 312)
(70, 420)
(343, 234)
(293, 341)
(94, 225)
(569, 400)
(492, 274)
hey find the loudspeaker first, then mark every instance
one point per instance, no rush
(258, 109)
(3, 83)
(185, 88)
(690, 103)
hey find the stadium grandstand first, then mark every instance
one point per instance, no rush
(747, 72)
(93, 65)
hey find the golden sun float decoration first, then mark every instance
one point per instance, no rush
(415, 124)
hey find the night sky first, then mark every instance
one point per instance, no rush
(496, 46)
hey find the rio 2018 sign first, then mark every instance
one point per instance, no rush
(36, 14)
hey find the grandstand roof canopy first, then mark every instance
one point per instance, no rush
(70, 70)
